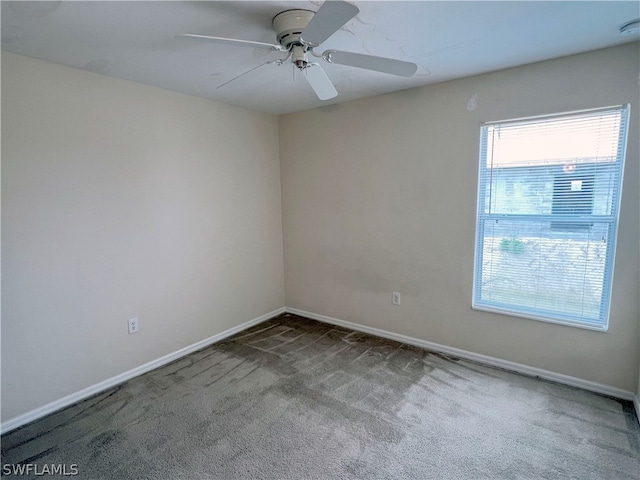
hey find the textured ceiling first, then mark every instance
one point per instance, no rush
(137, 41)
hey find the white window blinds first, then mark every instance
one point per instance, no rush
(548, 198)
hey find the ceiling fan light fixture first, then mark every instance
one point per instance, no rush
(630, 28)
(299, 56)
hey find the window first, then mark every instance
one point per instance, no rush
(548, 199)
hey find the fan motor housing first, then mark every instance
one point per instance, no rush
(289, 25)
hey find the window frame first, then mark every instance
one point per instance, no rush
(612, 220)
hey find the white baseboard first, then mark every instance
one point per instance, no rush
(477, 357)
(487, 360)
(128, 375)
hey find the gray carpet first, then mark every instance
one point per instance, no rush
(293, 398)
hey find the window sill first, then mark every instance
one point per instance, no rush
(568, 323)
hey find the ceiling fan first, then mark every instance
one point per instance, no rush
(299, 32)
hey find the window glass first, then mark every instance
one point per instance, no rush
(548, 198)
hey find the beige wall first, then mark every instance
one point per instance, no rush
(120, 200)
(379, 195)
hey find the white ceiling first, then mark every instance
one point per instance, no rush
(451, 39)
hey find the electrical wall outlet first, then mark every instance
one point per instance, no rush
(395, 298)
(133, 325)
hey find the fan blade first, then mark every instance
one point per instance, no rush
(329, 18)
(371, 62)
(234, 41)
(319, 82)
